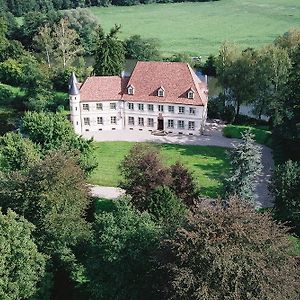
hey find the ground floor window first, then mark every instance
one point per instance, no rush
(86, 121)
(191, 125)
(170, 123)
(113, 120)
(150, 122)
(131, 120)
(181, 124)
(141, 121)
(99, 120)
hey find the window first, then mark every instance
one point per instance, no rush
(181, 109)
(191, 125)
(191, 95)
(86, 121)
(160, 92)
(130, 120)
(170, 123)
(192, 110)
(113, 106)
(181, 124)
(171, 109)
(150, 107)
(113, 120)
(85, 107)
(131, 106)
(99, 106)
(160, 108)
(141, 106)
(130, 90)
(150, 122)
(141, 121)
(100, 120)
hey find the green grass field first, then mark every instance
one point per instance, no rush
(209, 164)
(200, 28)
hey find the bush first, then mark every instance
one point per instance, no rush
(260, 136)
(218, 110)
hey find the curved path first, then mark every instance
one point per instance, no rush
(211, 137)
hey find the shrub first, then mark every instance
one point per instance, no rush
(260, 136)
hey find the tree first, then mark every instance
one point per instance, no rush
(45, 42)
(54, 132)
(67, 43)
(17, 153)
(227, 252)
(142, 172)
(236, 74)
(285, 187)
(139, 48)
(22, 265)
(272, 71)
(85, 24)
(290, 40)
(118, 264)
(52, 195)
(209, 67)
(166, 207)
(109, 53)
(183, 184)
(245, 161)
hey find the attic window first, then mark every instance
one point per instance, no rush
(161, 92)
(130, 90)
(191, 94)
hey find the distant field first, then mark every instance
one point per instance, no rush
(200, 28)
(209, 164)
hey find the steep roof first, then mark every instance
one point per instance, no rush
(99, 88)
(176, 78)
(147, 78)
(73, 89)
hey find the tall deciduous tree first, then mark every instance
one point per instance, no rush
(245, 160)
(139, 48)
(109, 53)
(45, 42)
(272, 73)
(67, 43)
(230, 252)
(236, 74)
(22, 265)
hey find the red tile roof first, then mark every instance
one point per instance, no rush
(147, 77)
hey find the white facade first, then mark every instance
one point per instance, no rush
(118, 115)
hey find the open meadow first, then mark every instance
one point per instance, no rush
(200, 28)
(209, 164)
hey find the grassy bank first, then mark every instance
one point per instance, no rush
(209, 164)
(200, 28)
(261, 136)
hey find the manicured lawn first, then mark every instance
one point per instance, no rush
(200, 28)
(209, 164)
(261, 136)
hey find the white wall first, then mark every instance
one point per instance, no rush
(122, 113)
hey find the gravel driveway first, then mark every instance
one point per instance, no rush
(212, 137)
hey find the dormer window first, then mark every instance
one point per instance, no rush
(161, 92)
(191, 94)
(130, 90)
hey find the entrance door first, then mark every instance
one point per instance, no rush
(160, 124)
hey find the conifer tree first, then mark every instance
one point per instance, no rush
(109, 54)
(245, 160)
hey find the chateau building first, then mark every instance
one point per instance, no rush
(156, 96)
